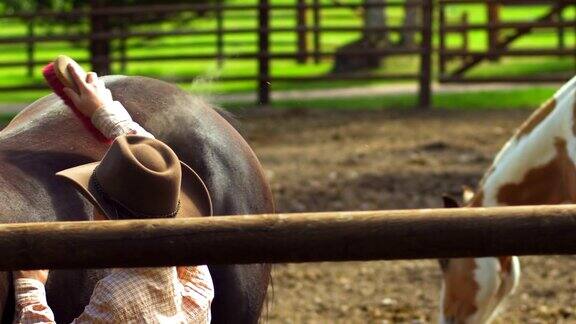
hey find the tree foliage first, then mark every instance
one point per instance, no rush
(15, 6)
(27, 6)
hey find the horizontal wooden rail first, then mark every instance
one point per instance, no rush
(555, 78)
(120, 34)
(334, 236)
(507, 2)
(343, 76)
(507, 25)
(511, 52)
(236, 56)
(177, 8)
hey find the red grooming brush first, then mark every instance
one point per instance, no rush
(57, 77)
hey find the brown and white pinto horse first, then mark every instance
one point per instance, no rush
(46, 138)
(536, 166)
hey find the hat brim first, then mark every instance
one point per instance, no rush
(194, 196)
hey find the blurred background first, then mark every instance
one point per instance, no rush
(349, 104)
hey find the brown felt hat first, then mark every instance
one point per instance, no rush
(141, 177)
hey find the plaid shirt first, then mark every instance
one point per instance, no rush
(131, 295)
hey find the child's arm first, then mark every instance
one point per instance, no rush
(31, 305)
(96, 103)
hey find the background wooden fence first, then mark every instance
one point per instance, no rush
(501, 38)
(255, 34)
(265, 55)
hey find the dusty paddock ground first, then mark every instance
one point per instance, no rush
(322, 161)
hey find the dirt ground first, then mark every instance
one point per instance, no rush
(326, 160)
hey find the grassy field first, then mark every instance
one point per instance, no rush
(209, 72)
(527, 98)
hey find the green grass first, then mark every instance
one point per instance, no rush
(527, 98)
(280, 42)
(22, 96)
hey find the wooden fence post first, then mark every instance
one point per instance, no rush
(316, 35)
(465, 38)
(425, 84)
(493, 32)
(123, 48)
(264, 52)
(560, 31)
(99, 47)
(301, 31)
(30, 48)
(442, 40)
(219, 34)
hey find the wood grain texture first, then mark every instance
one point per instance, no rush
(334, 236)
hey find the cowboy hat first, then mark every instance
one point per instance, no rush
(141, 177)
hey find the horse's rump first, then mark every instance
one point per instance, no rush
(46, 138)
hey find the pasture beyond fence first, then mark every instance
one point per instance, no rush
(305, 237)
(302, 35)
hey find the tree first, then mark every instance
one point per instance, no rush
(374, 16)
(411, 18)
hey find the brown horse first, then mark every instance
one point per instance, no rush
(46, 138)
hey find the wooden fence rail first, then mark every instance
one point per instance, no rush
(306, 237)
(312, 34)
(172, 8)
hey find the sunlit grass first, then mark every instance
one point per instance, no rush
(527, 98)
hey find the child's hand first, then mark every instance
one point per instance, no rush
(93, 93)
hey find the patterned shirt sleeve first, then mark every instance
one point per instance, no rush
(114, 120)
(101, 308)
(151, 294)
(131, 295)
(198, 292)
(31, 305)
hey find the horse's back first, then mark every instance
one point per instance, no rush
(46, 138)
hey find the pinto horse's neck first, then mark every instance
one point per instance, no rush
(538, 164)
